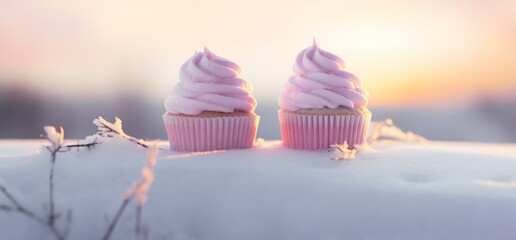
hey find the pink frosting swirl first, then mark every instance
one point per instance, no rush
(320, 81)
(210, 83)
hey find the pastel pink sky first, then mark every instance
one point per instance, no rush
(405, 52)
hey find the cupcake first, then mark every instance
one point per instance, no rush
(322, 104)
(211, 107)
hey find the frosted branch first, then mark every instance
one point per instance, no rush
(140, 188)
(138, 191)
(107, 129)
(342, 151)
(55, 138)
(387, 130)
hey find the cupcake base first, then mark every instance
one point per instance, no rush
(320, 130)
(210, 132)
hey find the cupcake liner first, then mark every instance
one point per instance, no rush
(306, 131)
(192, 134)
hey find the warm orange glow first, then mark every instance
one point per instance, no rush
(406, 52)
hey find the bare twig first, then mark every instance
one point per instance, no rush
(137, 229)
(22, 210)
(115, 220)
(51, 215)
(18, 207)
(68, 224)
(5, 208)
(139, 191)
(57, 145)
(89, 146)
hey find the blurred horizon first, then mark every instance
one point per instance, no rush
(63, 62)
(485, 119)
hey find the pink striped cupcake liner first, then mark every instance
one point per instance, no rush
(306, 131)
(192, 134)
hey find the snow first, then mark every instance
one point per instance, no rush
(429, 190)
(19, 147)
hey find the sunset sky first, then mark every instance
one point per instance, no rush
(405, 52)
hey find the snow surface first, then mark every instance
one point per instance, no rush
(433, 190)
